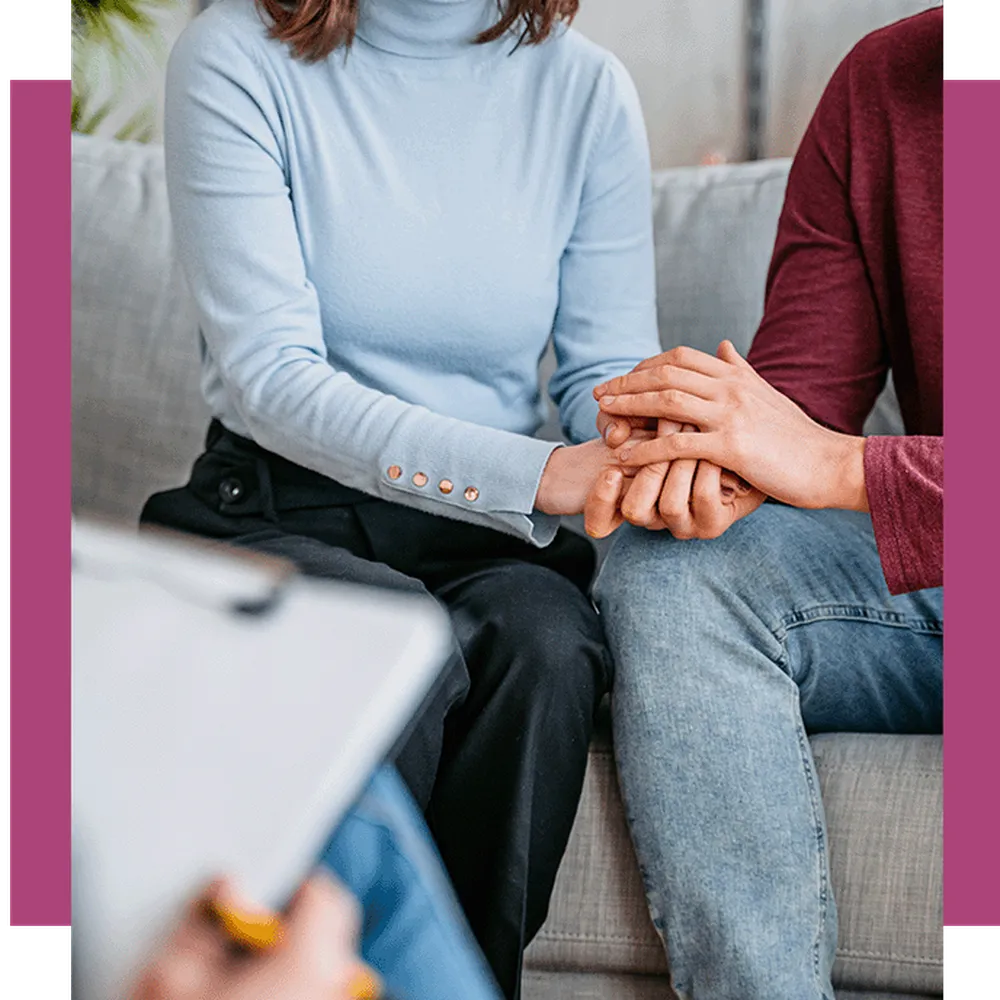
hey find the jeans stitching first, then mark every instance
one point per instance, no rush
(892, 772)
(653, 899)
(879, 956)
(631, 939)
(820, 839)
(858, 613)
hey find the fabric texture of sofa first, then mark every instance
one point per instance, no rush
(139, 421)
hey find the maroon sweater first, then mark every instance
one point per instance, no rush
(855, 287)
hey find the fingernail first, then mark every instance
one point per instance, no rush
(611, 477)
(257, 931)
(625, 454)
(365, 986)
(608, 399)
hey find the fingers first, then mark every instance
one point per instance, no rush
(601, 515)
(617, 430)
(244, 922)
(727, 352)
(685, 357)
(734, 484)
(191, 955)
(667, 404)
(672, 447)
(640, 504)
(660, 378)
(675, 498)
(712, 513)
(198, 931)
(322, 916)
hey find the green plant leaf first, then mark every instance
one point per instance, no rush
(127, 34)
(139, 128)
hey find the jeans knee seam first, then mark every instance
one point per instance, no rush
(822, 880)
(861, 613)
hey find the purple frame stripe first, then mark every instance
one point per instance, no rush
(972, 550)
(40, 684)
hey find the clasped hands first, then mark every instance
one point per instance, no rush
(688, 497)
(691, 443)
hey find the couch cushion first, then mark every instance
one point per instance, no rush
(883, 799)
(538, 985)
(138, 416)
(883, 802)
(714, 228)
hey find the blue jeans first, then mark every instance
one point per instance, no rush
(413, 931)
(728, 653)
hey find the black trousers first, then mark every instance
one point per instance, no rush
(497, 756)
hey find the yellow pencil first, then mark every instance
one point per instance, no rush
(261, 931)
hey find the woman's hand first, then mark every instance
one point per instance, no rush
(569, 476)
(745, 425)
(316, 958)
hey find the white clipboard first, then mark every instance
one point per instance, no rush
(225, 716)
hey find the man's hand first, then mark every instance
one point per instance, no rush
(745, 425)
(316, 958)
(615, 431)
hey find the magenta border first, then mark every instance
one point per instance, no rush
(972, 477)
(40, 685)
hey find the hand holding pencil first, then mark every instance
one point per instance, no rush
(225, 949)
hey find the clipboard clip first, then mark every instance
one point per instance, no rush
(199, 572)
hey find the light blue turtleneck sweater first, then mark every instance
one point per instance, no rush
(381, 244)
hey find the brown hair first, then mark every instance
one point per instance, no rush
(314, 28)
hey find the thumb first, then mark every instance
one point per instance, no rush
(600, 514)
(727, 352)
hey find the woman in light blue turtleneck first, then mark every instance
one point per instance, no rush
(385, 210)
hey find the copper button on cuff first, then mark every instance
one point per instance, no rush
(446, 486)
(394, 472)
(419, 479)
(472, 494)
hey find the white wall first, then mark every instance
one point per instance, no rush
(808, 40)
(686, 57)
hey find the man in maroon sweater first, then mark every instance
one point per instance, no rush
(745, 625)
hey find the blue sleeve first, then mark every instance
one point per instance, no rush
(260, 317)
(606, 320)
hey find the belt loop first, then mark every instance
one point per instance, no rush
(266, 490)
(214, 432)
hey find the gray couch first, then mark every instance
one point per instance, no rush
(139, 421)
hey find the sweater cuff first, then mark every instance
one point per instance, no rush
(902, 479)
(495, 476)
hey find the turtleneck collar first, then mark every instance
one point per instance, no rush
(427, 29)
